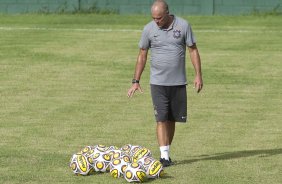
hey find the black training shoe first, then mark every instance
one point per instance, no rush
(165, 162)
(171, 163)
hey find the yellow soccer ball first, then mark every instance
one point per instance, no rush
(81, 165)
(135, 172)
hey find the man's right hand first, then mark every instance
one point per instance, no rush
(134, 87)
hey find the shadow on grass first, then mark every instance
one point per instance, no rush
(166, 176)
(232, 155)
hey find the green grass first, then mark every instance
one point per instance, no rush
(64, 80)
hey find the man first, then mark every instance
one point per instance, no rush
(167, 37)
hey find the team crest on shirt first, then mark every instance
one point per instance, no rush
(176, 33)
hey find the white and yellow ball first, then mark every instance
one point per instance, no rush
(112, 152)
(118, 166)
(134, 149)
(140, 153)
(90, 151)
(87, 151)
(101, 162)
(112, 147)
(153, 167)
(118, 154)
(135, 172)
(101, 148)
(81, 165)
(126, 148)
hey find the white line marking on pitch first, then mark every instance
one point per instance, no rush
(127, 30)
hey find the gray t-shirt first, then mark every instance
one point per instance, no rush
(168, 48)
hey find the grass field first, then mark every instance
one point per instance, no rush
(64, 80)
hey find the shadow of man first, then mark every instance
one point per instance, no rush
(232, 155)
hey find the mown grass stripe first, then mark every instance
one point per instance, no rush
(131, 30)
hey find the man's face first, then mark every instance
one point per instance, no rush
(160, 18)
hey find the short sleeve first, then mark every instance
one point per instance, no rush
(144, 42)
(190, 38)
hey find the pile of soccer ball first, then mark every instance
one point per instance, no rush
(132, 162)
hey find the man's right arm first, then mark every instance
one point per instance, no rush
(140, 65)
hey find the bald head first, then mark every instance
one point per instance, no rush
(160, 14)
(159, 6)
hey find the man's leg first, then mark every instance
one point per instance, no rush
(171, 129)
(165, 133)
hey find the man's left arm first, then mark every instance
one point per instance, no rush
(196, 61)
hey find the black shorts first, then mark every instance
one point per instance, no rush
(170, 103)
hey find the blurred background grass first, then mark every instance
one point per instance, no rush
(64, 80)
